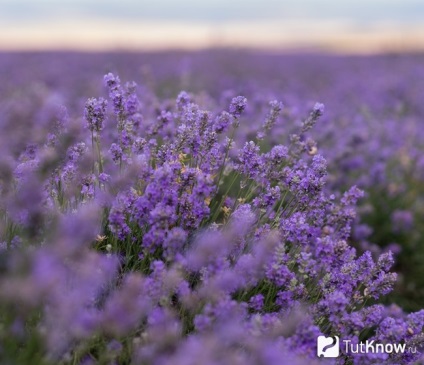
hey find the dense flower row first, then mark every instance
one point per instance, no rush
(181, 235)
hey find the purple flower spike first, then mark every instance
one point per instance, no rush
(237, 106)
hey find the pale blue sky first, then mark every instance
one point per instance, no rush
(57, 22)
(399, 11)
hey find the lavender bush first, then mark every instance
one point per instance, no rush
(200, 230)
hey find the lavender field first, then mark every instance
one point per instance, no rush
(213, 207)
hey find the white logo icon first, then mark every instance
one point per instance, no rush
(328, 346)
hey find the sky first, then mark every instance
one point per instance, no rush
(355, 25)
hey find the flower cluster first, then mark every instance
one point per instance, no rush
(178, 239)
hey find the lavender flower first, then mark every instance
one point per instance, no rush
(203, 244)
(237, 106)
(95, 113)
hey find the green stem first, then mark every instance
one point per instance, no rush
(227, 151)
(218, 208)
(99, 154)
